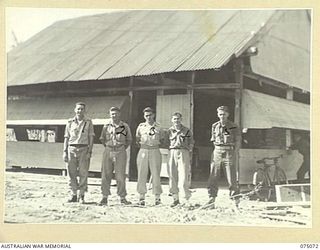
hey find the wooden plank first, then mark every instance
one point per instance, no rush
(215, 86)
(45, 155)
(287, 205)
(293, 193)
(282, 218)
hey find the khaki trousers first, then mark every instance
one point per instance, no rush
(149, 159)
(179, 172)
(113, 161)
(223, 159)
(78, 165)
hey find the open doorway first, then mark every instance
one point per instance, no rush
(206, 103)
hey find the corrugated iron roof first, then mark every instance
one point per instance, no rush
(286, 47)
(133, 43)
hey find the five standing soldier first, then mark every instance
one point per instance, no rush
(78, 142)
(180, 148)
(149, 136)
(224, 135)
(116, 137)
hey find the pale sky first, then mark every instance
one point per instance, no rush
(26, 22)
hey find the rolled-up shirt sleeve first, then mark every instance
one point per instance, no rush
(129, 135)
(67, 131)
(191, 139)
(91, 130)
(138, 134)
(213, 136)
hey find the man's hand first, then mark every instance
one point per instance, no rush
(65, 157)
(89, 155)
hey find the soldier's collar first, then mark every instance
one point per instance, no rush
(153, 125)
(226, 123)
(83, 119)
(181, 129)
(110, 122)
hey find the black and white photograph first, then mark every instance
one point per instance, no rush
(159, 117)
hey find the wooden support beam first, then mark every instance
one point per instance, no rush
(217, 86)
(131, 99)
(288, 131)
(262, 79)
(237, 111)
(190, 92)
(168, 82)
(63, 92)
(131, 153)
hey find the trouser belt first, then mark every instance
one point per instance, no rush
(148, 147)
(78, 145)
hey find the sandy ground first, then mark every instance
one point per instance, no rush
(39, 198)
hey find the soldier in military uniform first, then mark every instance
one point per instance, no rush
(149, 136)
(78, 142)
(116, 138)
(180, 148)
(224, 135)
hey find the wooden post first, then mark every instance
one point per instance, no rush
(288, 131)
(130, 154)
(131, 99)
(237, 112)
(190, 92)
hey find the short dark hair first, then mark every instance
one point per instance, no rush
(81, 103)
(178, 114)
(114, 109)
(223, 108)
(148, 109)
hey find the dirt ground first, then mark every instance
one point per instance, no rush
(40, 198)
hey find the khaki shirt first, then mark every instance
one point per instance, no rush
(180, 139)
(150, 135)
(116, 135)
(79, 132)
(224, 135)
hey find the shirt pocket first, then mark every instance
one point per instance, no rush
(154, 134)
(229, 138)
(107, 135)
(74, 130)
(85, 128)
(121, 135)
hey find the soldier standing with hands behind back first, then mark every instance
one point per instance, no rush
(78, 143)
(224, 135)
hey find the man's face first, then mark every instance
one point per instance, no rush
(79, 110)
(223, 115)
(115, 115)
(149, 116)
(176, 120)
